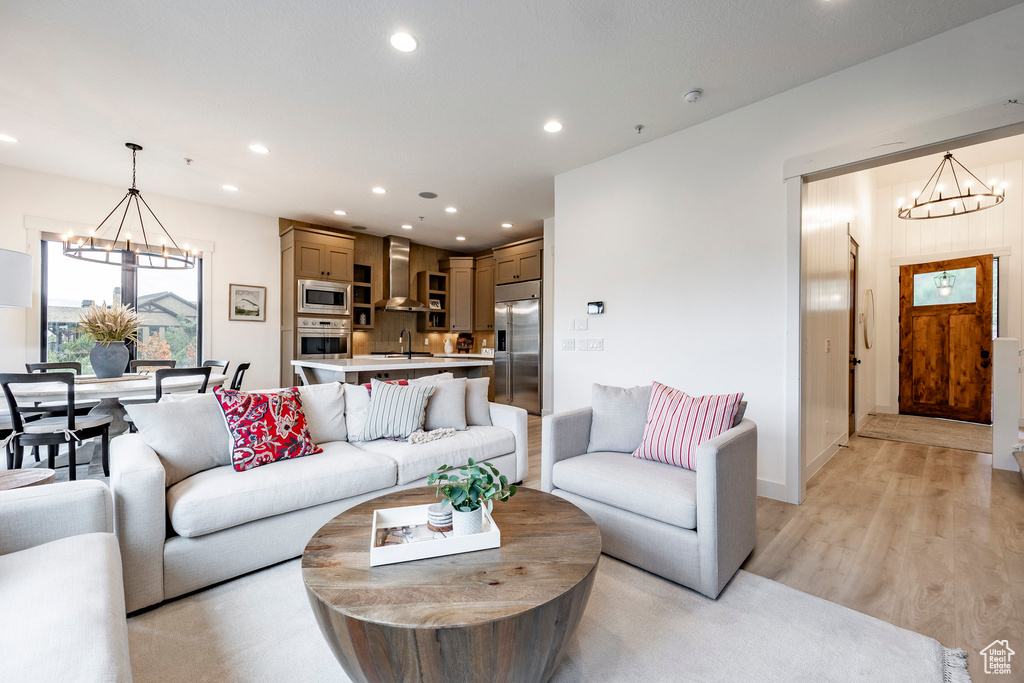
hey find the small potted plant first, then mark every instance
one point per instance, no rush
(469, 490)
(110, 328)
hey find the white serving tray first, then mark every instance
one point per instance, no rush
(413, 515)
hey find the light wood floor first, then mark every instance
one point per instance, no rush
(926, 538)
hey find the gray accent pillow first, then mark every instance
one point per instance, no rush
(478, 407)
(739, 414)
(189, 435)
(620, 416)
(324, 408)
(447, 405)
(396, 411)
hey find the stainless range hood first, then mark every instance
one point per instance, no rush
(396, 284)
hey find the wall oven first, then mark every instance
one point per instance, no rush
(323, 339)
(318, 297)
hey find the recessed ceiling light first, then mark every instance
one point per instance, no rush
(7, 138)
(552, 126)
(428, 195)
(461, 238)
(230, 188)
(379, 190)
(340, 213)
(506, 225)
(451, 209)
(404, 42)
(406, 227)
(259, 149)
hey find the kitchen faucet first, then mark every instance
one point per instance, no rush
(400, 336)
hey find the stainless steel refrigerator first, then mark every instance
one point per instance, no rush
(517, 345)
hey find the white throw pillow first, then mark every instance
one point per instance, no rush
(357, 406)
(620, 416)
(396, 411)
(188, 434)
(478, 408)
(324, 408)
(439, 377)
(447, 405)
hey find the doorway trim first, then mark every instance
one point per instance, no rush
(993, 121)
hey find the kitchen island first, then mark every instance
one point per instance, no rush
(362, 369)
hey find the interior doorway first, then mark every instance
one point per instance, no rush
(945, 339)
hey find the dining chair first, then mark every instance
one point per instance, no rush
(134, 365)
(164, 374)
(53, 431)
(57, 408)
(46, 367)
(236, 381)
(222, 364)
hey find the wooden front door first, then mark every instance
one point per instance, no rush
(946, 339)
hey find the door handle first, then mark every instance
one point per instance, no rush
(855, 361)
(984, 353)
(985, 363)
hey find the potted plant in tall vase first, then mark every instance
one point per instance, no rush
(110, 328)
(469, 490)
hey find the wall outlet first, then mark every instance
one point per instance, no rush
(828, 346)
(582, 324)
(426, 342)
(572, 323)
(483, 343)
(581, 344)
(568, 344)
(595, 344)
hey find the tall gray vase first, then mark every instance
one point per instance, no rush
(109, 360)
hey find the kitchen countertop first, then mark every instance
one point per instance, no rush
(376, 363)
(463, 355)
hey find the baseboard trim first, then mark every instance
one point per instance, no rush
(819, 461)
(772, 489)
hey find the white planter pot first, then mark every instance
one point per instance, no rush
(467, 523)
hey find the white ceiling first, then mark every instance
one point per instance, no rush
(318, 83)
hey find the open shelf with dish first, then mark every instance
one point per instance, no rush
(432, 289)
(362, 297)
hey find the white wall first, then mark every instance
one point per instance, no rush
(685, 237)
(246, 251)
(547, 325)
(1000, 228)
(834, 210)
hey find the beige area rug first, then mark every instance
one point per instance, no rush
(928, 431)
(637, 627)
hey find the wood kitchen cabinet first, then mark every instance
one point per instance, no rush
(459, 270)
(518, 262)
(323, 257)
(483, 294)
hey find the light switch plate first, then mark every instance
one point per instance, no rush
(595, 344)
(581, 324)
(568, 344)
(581, 344)
(572, 323)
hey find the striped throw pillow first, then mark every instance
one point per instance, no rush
(677, 423)
(396, 411)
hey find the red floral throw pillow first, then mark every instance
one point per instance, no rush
(265, 428)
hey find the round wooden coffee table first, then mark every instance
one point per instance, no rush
(505, 614)
(32, 476)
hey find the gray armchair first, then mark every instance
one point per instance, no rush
(693, 528)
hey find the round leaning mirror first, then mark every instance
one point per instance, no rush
(869, 319)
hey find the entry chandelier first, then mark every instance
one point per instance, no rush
(948, 194)
(107, 245)
(944, 283)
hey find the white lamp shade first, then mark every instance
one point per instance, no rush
(15, 279)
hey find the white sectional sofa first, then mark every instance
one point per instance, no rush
(218, 523)
(61, 595)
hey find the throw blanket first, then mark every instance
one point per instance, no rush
(423, 437)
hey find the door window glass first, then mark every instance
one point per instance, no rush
(939, 288)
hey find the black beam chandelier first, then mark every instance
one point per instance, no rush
(118, 247)
(948, 194)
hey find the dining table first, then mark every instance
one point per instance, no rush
(109, 392)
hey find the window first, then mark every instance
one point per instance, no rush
(168, 301)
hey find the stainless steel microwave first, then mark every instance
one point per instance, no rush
(324, 298)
